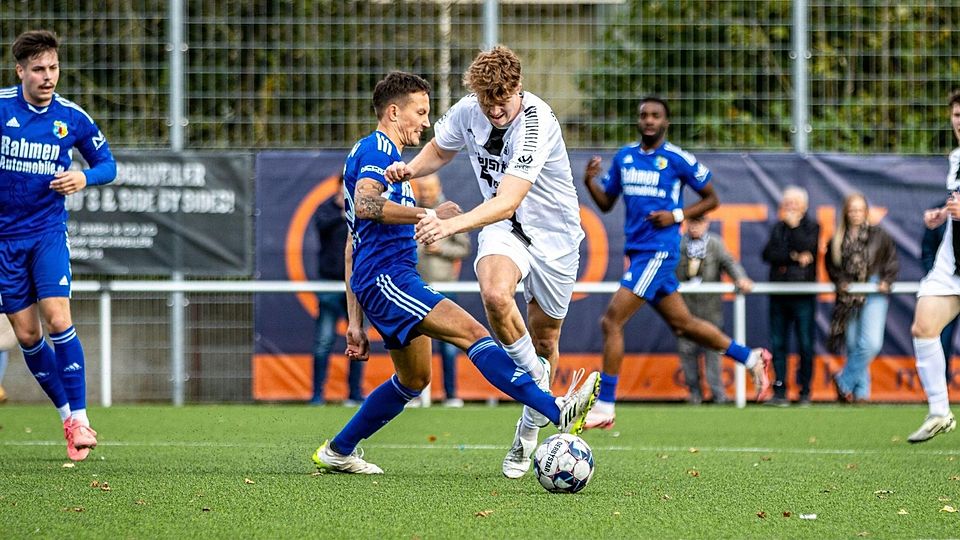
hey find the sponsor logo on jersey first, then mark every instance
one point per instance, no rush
(526, 160)
(98, 140)
(60, 129)
(372, 168)
(661, 163)
(13, 122)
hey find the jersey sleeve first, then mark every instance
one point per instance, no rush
(690, 171)
(449, 131)
(95, 149)
(612, 183)
(540, 135)
(373, 164)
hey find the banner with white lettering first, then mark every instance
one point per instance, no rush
(166, 212)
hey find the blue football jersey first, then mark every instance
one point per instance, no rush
(35, 144)
(376, 246)
(651, 181)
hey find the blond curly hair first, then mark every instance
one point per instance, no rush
(494, 75)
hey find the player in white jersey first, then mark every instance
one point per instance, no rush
(938, 302)
(530, 218)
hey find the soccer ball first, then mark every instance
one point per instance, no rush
(563, 463)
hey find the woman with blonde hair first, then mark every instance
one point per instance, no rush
(859, 252)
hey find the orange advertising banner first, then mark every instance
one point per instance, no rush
(645, 377)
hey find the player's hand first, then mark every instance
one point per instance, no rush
(593, 169)
(934, 217)
(953, 206)
(744, 285)
(431, 229)
(68, 182)
(397, 171)
(448, 209)
(661, 218)
(358, 345)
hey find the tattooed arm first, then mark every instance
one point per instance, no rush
(371, 205)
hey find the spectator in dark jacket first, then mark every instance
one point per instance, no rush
(859, 252)
(932, 236)
(791, 253)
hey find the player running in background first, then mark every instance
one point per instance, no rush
(651, 175)
(938, 302)
(383, 282)
(530, 218)
(37, 130)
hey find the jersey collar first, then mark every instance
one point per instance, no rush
(29, 106)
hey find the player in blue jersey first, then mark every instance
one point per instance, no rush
(38, 128)
(384, 286)
(650, 175)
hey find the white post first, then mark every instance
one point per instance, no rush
(106, 346)
(740, 334)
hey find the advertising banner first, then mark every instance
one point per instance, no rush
(166, 212)
(899, 188)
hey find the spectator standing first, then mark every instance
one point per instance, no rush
(331, 227)
(703, 258)
(859, 252)
(439, 261)
(791, 253)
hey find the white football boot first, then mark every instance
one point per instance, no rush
(932, 425)
(328, 460)
(517, 461)
(575, 405)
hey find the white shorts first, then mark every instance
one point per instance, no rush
(550, 282)
(941, 281)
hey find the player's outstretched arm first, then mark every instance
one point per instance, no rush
(428, 161)
(510, 194)
(371, 205)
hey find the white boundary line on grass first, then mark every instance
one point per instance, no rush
(491, 447)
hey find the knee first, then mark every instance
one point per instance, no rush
(58, 322)
(609, 325)
(497, 301)
(920, 329)
(415, 381)
(29, 337)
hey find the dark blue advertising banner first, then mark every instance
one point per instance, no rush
(291, 185)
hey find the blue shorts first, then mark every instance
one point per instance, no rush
(652, 275)
(396, 304)
(32, 269)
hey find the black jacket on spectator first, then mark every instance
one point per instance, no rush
(783, 241)
(332, 233)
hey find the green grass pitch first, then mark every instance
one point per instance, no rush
(664, 471)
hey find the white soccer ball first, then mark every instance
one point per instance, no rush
(563, 463)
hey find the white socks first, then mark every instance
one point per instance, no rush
(931, 366)
(80, 416)
(525, 356)
(64, 412)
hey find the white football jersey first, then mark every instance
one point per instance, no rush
(530, 148)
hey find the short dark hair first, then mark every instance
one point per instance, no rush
(396, 88)
(33, 43)
(654, 99)
(954, 99)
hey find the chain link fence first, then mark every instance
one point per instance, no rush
(299, 74)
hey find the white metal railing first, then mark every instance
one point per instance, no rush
(178, 288)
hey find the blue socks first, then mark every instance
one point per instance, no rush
(381, 406)
(608, 387)
(497, 367)
(70, 362)
(42, 363)
(737, 351)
